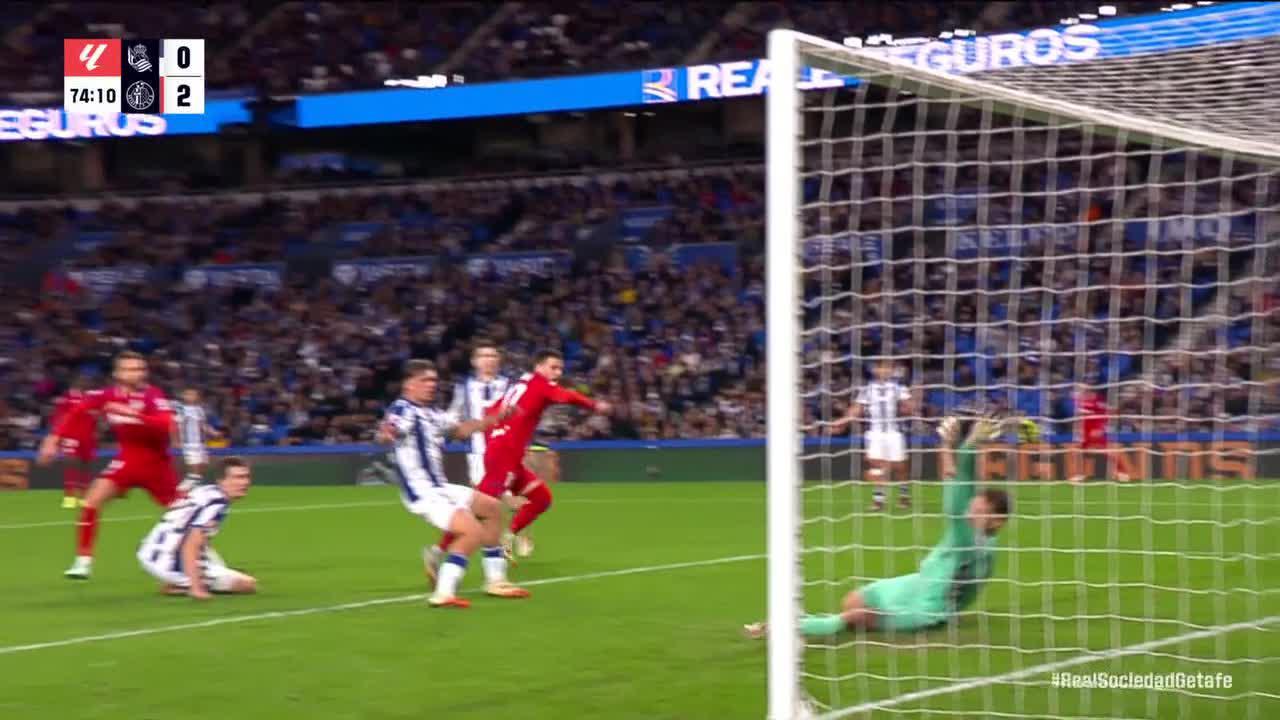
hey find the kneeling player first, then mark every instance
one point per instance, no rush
(951, 575)
(471, 519)
(176, 551)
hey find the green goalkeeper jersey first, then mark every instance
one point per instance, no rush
(957, 566)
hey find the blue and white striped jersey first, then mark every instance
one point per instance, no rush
(881, 398)
(471, 397)
(204, 508)
(418, 453)
(191, 422)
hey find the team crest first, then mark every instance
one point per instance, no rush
(140, 95)
(138, 59)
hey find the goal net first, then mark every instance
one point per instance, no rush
(1013, 222)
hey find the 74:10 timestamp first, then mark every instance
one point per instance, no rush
(91, 95)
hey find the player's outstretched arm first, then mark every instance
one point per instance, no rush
(565, 396)
(960, 466)
(191, 548)
(49, 446)
(850, 415)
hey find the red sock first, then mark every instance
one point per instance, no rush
(70, 479)
(539, 500)
(446, 540)
(87, 531)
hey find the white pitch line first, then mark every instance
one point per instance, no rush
(1048, 667)
(237, 619)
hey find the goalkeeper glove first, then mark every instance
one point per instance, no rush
(1028, 431)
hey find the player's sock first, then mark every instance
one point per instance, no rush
(877, 496)
(455, 565)
(539, 500)
(446, 540)
(821, 625)
(495, 565)
(70, 481)
(903, 490)
(87, 532)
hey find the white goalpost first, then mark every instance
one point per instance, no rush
(1013, 222)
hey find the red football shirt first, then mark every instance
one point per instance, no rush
(531, 395)
(1092, 412)
(82, 426)
(144, 437)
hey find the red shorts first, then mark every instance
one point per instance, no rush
(81, 449)
(505, 471)
(158, 479)
(1095, 440)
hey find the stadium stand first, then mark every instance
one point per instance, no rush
(679, 343)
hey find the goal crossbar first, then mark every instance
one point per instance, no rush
(928, 82)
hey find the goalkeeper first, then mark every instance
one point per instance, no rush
(952, 573)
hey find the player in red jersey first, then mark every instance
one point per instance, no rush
(1093, 434)
(79, 444)
(142, 421)
(506, 443)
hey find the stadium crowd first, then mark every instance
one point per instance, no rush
(678, 346)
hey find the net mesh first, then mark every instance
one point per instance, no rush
(1003, 252)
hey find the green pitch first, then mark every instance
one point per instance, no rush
(639, 595)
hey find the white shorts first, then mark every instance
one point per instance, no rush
(195, 456)
(438, 504)
(886, 446)
(217, 576)
(475, 467)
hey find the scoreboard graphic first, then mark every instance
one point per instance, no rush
(151, 77)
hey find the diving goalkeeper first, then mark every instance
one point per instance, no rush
(952, 574)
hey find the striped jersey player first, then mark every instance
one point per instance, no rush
(176, 551)
(474, 395)
(881, 403)
(521, 409)
(417, 433)
(192, 432)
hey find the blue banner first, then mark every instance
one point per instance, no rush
(17, 124)
(264, 275)
(506, 264)
(578, 92)
(364, 272)
(88, 241)
(844, 245)
(1161, 233)
(103, 281)
(725, 255)
(1174, 233)
(355, 233)
(638, 222)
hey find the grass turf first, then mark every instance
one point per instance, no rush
(659, 641)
